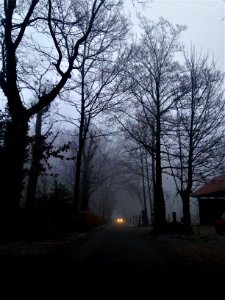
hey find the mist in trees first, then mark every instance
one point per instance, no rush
(173, 94)
(194, 144)
(138, 109)
(28, 64)
(155, 87)
(96, 85)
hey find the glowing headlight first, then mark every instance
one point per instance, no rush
(120, 221)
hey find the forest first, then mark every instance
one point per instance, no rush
(88, 108)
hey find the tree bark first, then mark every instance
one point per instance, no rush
(35, 167)
(85, 185)
(186, 212)
(14, 152)
(144, 212)
(12, 162)
(159, 202)
(88, 154)
(15, 142)
(82, 136)
(76, 191)
(83, 129)
(149, 190)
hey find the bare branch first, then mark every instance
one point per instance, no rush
(25, 23)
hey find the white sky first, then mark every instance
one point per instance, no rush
(204, 20)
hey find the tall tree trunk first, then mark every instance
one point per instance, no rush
(15, 141)
(12, 162)
(85, 186)
(144, 212)
(83, 129)
(186, 211)
(35, 167)
(149, 188)
(76, 191)
(88, 153)
(159, 202)
(153, 181)
(159, 215)
(13, 154)
(185, 194)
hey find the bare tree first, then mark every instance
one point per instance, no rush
(101, 176)
(195, 145)
(44, 147)
(97, 174)
(97, 85)
(134, 173)
(89, 151)
(155, 86)
(37, 149)
(38, 42)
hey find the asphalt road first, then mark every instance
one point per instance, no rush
(111, 259)
(103, 261)
(115, 252)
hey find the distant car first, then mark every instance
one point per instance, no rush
(220, 224)
(119, 221)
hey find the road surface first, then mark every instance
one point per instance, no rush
(116, 252)
(119, 251)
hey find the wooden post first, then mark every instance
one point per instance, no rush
(174, 217)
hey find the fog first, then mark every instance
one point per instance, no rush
(205, 31)
(112, 116)
(204, 20)
(107, 138)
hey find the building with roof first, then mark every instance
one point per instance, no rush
(211, 199)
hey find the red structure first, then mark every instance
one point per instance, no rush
(211, 199)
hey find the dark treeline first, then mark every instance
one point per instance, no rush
(165, 101)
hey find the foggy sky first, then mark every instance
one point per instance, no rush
(204, 19)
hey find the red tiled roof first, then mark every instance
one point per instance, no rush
(217, 184)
